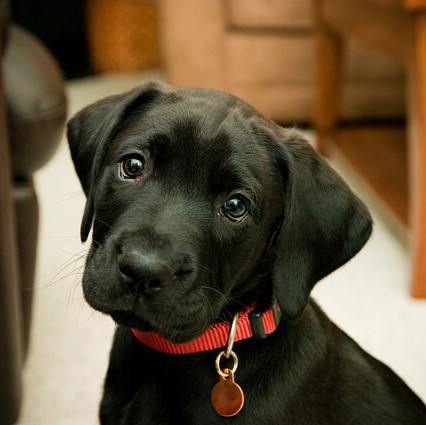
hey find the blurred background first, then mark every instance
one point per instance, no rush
(350, 73)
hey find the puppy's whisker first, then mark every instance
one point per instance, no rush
(223, 296)
(210, 288)
(71, 195)
(209, 305)
(103, 222)
(205, 268)
(96, 242)
(61, 273)
(228, 299)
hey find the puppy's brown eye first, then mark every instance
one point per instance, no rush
(132, 167)
(235, 208)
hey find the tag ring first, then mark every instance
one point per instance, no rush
(234, 367)
(231, 336)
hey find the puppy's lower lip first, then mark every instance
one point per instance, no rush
(130, 319)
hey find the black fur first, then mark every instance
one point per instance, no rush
(165, 256)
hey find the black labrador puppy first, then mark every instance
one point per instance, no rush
(204, 213)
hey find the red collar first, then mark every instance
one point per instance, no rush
(250, 324)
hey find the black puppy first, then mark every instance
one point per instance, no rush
(202, 209)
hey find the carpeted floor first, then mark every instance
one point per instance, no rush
(369, 297)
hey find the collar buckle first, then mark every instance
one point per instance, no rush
(256, 318)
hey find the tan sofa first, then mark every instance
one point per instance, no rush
(263, 51)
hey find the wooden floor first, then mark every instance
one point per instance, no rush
(379, 154)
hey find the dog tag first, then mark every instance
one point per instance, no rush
(227, 397)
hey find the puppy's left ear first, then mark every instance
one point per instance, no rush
(324, 224)
(91, 130)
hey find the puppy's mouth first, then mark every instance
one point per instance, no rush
(176, 328)
(131, 320)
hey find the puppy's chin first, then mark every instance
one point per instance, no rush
(176, 334)
(130, 320)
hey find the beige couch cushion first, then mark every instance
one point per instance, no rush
(270, 14)
(263, 51)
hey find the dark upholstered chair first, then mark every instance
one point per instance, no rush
(32, 116)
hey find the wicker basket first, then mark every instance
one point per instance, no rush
(122, 35)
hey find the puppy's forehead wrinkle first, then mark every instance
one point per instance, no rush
(227, 148)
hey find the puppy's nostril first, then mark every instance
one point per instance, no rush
(143, 274)
(154, 285)
(127, 271)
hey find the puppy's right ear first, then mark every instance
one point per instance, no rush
(90, 132)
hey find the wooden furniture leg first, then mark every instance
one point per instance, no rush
(329, 75)
(417, 114)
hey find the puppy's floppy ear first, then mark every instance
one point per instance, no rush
(91, 130)
(324, 224)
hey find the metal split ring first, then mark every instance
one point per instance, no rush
(231, 336)
(234, 367)
(228, 353)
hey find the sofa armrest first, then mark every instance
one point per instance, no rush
(35, 102)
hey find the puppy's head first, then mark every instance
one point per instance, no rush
(199, 204)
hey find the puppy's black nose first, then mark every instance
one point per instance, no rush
(144, 274)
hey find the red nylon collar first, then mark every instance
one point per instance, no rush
(249, 325)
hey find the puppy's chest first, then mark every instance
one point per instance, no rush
(185, 399)
(176, 411)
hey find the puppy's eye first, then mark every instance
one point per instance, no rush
(132, 167)
(235, 208)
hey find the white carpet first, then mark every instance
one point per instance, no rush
(369, 298)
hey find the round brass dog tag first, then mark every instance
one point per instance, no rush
(227, 397)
